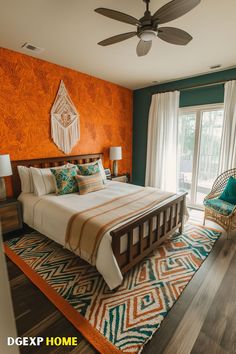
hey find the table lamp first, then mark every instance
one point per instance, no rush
(115, 155)
(5, 170)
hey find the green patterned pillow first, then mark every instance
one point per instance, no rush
(65, 180)
(88, 169)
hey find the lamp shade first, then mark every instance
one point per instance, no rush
(115, 153)
(5, 166)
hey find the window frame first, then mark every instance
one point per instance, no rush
(198, 111)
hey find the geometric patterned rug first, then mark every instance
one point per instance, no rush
(121, 321)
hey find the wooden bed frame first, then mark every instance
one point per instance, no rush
(167, 216)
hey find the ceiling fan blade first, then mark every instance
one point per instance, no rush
(174, 35)
(117, 15)
(143, 48)
(117, 38)
(174, 9)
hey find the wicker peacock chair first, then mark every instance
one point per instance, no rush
(228, 222)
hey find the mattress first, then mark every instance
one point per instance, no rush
(50, 214)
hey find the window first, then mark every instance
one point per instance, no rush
(199, 140)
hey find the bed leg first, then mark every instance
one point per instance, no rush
(115, 289)
(182, 216)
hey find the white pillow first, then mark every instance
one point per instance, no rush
(26, 179)
(104, 177)
(100, 165)
(43, 180)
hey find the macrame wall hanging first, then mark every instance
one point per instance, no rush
(64, 121)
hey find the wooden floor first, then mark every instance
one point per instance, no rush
(202, 321)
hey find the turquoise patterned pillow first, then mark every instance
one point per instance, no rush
(65, 180)
(229, 193)
(88, 169)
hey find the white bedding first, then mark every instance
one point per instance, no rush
(49, 214)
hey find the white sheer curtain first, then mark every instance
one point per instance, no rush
(162, 141)
(228, 144)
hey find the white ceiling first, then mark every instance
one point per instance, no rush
(69, 32)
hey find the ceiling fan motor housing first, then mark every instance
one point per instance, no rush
(148, 26)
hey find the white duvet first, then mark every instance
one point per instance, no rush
(49, 214)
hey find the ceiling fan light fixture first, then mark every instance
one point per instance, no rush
(147, 35)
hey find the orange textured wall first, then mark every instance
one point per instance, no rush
(28, 89)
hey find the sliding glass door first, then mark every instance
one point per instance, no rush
(199, 140)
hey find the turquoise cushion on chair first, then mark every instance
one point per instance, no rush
(229, 193)
(222, 207)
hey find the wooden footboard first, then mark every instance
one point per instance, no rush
(143, 234)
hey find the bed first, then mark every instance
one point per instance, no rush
(122, 246)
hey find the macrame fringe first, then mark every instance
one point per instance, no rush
(65, 138)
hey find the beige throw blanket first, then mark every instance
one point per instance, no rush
(86, 229)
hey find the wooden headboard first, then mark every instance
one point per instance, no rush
(48, 162)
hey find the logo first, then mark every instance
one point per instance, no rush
(37, 341)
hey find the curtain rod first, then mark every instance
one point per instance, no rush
(203, 85)
(194, 86)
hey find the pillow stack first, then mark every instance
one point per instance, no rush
(69, 178)
(39, 181)
(91, 177)
(43, 180)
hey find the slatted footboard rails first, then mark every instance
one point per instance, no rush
(143, 234)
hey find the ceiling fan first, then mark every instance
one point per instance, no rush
(148, 26)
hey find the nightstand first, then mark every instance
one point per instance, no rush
(10, 215)
(121, 178)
